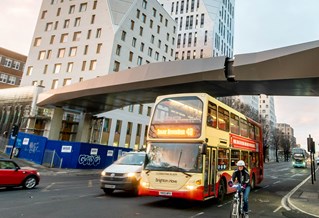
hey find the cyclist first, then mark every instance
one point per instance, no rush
(241, 176)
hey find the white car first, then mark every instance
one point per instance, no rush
(123, 174)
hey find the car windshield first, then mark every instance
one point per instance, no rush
(131, 159)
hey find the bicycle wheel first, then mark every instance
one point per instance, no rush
(234, 210)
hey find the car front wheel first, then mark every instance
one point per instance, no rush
(30, 182)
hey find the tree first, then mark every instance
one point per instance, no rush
(266, 136)
(276, 136)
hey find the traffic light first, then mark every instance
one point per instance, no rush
(311, 145)
(14, 130)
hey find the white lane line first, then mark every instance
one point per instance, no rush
(196, 215)
(278, 208)
(276, 182)
(48, 187)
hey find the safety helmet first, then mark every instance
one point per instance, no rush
(240, 163)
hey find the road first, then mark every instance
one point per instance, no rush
(68, 196)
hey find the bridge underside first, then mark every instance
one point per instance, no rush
(287, 71)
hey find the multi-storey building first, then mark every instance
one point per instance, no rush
(268, 118)
(205, 28)
(11, 68)
(287, 132)
(80, 40)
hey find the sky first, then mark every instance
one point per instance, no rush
(259, 25)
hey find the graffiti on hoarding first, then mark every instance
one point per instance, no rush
(89, 160)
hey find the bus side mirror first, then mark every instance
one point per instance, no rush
(204, 149)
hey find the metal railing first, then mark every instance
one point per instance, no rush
(52, 159)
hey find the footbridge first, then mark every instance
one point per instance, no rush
(286, 71)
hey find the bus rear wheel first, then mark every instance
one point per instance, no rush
(253, 182)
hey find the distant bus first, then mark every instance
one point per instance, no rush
(193, 144)
(299, 157)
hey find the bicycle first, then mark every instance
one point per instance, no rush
(237, 204)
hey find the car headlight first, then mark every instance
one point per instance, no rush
(103, 173)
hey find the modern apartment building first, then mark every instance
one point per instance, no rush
(205, 28)
(84, 39)
(288, 132)
(11, 68)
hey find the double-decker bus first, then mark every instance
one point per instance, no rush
(299, 157)
(193, 144)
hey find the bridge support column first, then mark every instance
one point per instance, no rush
(55, 124)
(83, 133)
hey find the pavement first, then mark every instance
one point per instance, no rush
(52, 171)
(304, 197)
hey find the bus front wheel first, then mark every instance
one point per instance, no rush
(221, 191)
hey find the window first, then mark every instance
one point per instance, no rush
(29, 71)
(234, 158)
(61, 52)
(54, 84)
(139, 60)
(156, 56)
(58, 12)
(83, 65)
(64, 38)
(151, 24)
(150, 52)
(234, 124)
(223, 159)
(89, 34)
(144, 4)
(138, 12)
(143, 18)
(141, 31)
(131, 108)
(142, 47)
(132, 24)
(98, 48)
(134, 42)
(77, 21)
(130, 56)
(116, 66)
(66, 23)
(52, 39)
(3, 78)
(37, 42)
(49, 54)
(77, 36)
(118, 50)
(71, 9)
(49, 26)
(16, 65)
(93, 19)
(86, 48)
(83, 7)
(70, 67)
(12, 80)
(123, 36)
(45, 70)
(41, 55)
(57, 68)
(223, 119)
(66, 82)
(149, 110)
(43, 14)
(154, 12)
(92, 65)
(243, 127)
(94, 5)
(98, 33)
(72, 51)
(158, 29)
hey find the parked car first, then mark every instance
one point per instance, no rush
(317, 160)
(11, 175)
(123, 174)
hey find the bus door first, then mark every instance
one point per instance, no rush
(210, 172)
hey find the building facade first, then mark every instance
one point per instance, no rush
(11, 68)
(205, 28)
(80, 40)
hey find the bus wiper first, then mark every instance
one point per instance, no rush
(179, 169)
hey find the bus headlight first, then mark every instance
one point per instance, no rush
(131, 174)
(193, 185)
(145, 184)
(190, 187)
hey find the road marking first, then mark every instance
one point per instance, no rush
(276, 182)
(48, 187)
(196, 215)
(278, 208)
